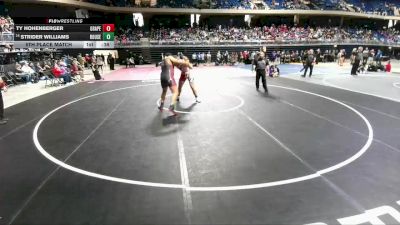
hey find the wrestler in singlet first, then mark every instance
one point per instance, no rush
(167, 75)
(185, 74)
(168, 81)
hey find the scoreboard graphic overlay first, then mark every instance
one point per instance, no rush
(63, 33)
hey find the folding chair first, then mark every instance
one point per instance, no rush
(8, 81)
(4, 77)
(53, 80)
(57, 80)
(49, 78)
(15, 78)
(75, 78)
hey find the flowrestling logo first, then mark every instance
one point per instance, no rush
(55, 21)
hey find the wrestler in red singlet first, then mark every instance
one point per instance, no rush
(185, 75)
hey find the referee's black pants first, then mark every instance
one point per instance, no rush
(1, 106)
(261, 74)
(354, 68)
(311, 66)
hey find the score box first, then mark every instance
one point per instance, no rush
(104, 44)
(89, 44)
(108, 36)
(108, 28)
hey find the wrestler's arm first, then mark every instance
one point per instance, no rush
(186, 60)
(177, 62)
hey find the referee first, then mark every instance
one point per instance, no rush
(261, 65)
(309, 62)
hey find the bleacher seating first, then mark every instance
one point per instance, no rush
(380, 7)
(175, 4)
(375, 6)
(273, 34)
(232, 4)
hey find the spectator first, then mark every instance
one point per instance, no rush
(226, 57)
(76, 70)
(356, 58)
(198, 57)
(88, 61)
(39, 69)
(21, 73)
(47, 65)
(208, 58)
(361, 57)
(3, 120)
(378, 56)
(27, 69)
(388, 67)
(111, 61)
(202, 57)
(341, 57)
(130, 62)
(100, 62)
(278, 58)
(274, 71)
(103, 58)
(219, 58)
(194, 58)
(81, 60)
(96, 73)
(60, 71)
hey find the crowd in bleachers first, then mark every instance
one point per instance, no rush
(387, 7)
(6, 29)
(234, 4)
(6, 25)
(268, 34)
(128, 35)
(381, 7)
(174, 4)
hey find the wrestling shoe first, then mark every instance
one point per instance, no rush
(172, 110)
(161, 107)
(198, 100)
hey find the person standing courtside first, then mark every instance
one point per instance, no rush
(111, 61)
(309, 63)
(357, 59)
(261, 65)
(3, 120)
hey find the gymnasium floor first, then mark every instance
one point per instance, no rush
(101, 152)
